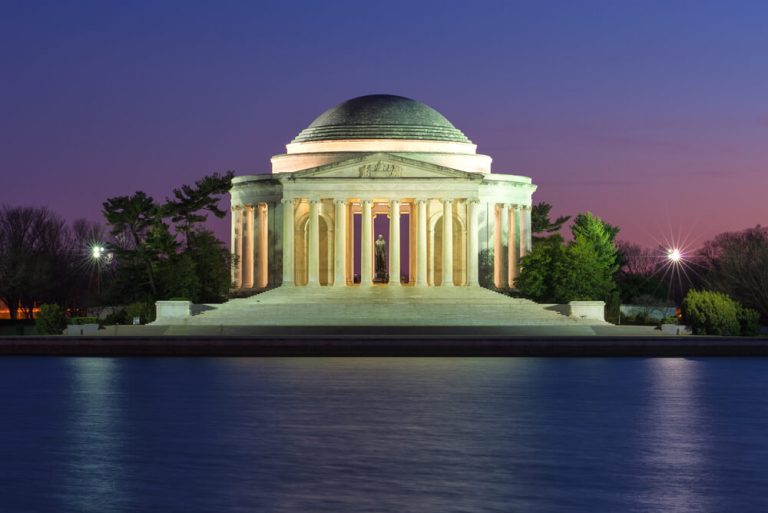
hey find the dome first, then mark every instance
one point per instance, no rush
(381, 116)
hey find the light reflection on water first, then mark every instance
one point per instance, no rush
(676, 436)
(387, 434)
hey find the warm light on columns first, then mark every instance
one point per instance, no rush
(249, 248)
(239, 249)
(366, 242)
(447, 243)
(339, 250)
(421, 245)
(313, 246)
(262, 271)
(288, 216)
(394, 243)
(472, 242)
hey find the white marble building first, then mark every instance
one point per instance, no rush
(311, 222)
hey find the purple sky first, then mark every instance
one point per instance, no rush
(653, 115)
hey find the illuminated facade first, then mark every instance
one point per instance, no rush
(313, 221)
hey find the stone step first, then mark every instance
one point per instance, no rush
(385, 306)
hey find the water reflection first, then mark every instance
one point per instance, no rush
(408, 435)
(675, 436)
(95, 474)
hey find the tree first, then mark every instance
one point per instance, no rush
(641, 277)
(539, 268)
(188, 208)
(736, 263)
(212, 266)
(153, 263)
(541, 225)
(132, 219)
(581, 270)
(590, 262)
(37, 258)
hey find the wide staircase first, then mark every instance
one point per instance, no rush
(381, 306)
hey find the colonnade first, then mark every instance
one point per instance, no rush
(512, 239)
(337, 268)
(250, 243)
(506, 231)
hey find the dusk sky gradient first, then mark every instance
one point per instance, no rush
(652, 115)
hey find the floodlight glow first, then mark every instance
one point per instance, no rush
(97, 252)
(674, 255)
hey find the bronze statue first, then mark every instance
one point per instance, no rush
(380, 272)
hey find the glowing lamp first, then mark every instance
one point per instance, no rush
(97, 252)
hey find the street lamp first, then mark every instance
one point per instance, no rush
(97, 251)
(674, 255)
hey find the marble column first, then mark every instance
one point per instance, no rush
(339, 250)
(394, 242)
(514, 244)
(496, 246)
(248, 249)
(472, 244)
(313, 246)
(287, 242)
(262, 243)
(431, 259)
(239, 248)
(528, 239)
(233, 242)
(504, 233)
(366, 241)
(421, 245)
(447, 243)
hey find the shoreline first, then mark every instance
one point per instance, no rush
(400, 345)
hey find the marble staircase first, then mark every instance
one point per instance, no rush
(380, 306)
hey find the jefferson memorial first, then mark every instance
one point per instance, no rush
(379, 190)
(379, 213)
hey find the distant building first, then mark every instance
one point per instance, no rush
(312, 221)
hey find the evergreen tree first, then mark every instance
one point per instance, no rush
(541, 225)
(132, 219)
(581, 270)
(152, 263)
(190, 205)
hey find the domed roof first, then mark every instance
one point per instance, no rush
(381, 116)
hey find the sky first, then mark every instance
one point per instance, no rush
(652, 115)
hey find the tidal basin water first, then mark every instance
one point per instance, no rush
(383, 434)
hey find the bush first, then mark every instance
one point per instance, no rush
(116, 317)
(83, 320)
(749, 321)
(713, 313)
(669, 320)
(51, 320)
(144, 311)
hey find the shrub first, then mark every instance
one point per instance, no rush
(83, 320)
(116, 317)
(749, 321)
(144, 311)
(711, 313)
(51, 320)
(669, 320)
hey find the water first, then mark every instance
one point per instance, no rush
(401, 435)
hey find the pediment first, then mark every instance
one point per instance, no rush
(381, 166)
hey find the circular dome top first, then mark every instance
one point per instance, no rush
(381, 116)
